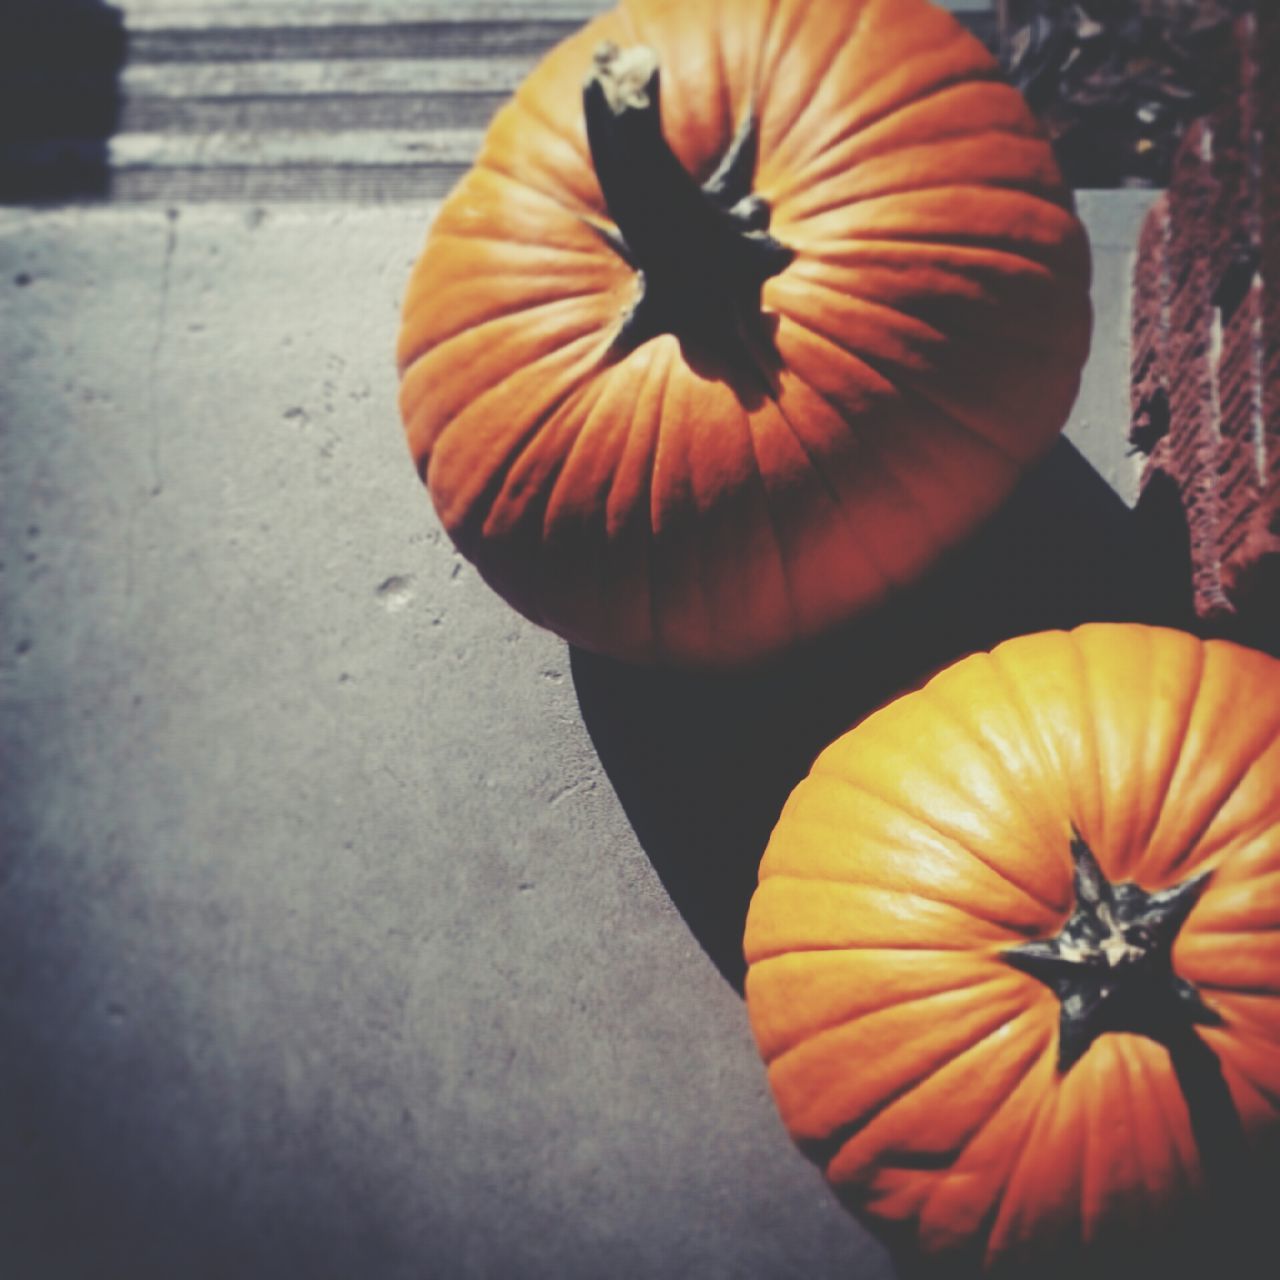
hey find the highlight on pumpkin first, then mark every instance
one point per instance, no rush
(745, 314)
(1013, 959)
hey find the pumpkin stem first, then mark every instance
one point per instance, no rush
(702, 252)
(1111, 963)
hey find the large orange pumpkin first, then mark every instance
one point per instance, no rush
(1011, 930)
(693, 423)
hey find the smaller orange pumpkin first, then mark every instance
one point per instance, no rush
(1005, 926)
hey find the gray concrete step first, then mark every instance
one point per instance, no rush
(327, 101)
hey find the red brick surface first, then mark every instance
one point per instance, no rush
(1206, 336)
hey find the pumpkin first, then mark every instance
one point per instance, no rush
(1013, 931)
(706, 357)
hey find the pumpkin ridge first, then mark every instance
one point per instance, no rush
(1132, 843)
(1142, 1093)
(995, 920)
(864, 250)
(847, 1019)
(1087, 703)
(933, 232)
(869, 26)
(1013, 691)
(481, 504)
(875, 448)
(534, 505)
(817, 948)
(924, 419)
(914, 327)
(876, 455)
(1092, 1153)
(527, 101)
(701, 553)
(946, 411)
(1252, 931)
(1238, 1064)
(770, 51)
(583, 325)
(540, 249)
(1013, 930)
(929, 824)
(554, 498)
(587, 339)
(1253, 888)
(490, 165)
(1015, 786)
(727, 111)
(1026, 1049)
(615, 442)
(519, 307)
(829, 487)
(1011, 1200)
(424, 429)
(552, 487)
(651, 472)
(990, 184)
(1242, 989)
(1015, 1143)
(1241, 1020)
(816, 75)
(1248, 1034)
(771, 518)
(1240, 843)
(962, 335)
(1190, 845)
(625, 433)
(815, 465)
(825, 1151)
(856, 136)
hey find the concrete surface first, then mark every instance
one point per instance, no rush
(326, 947)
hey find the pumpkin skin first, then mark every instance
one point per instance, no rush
(922, 346)
(918, 1067)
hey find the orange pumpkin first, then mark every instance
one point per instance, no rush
(1011, 930)
(692, 375)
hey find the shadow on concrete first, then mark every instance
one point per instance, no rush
(60, 64)
(702, 763)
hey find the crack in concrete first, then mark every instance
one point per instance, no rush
(162, 321)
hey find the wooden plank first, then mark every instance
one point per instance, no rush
(449, 38)
(327, 183)
(355, 148)
(320, 76)
(195, 15)
(311, 115)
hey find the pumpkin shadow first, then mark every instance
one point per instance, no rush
(702, 762)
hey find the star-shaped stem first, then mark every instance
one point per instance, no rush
(1111, 965)
(702, 252)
